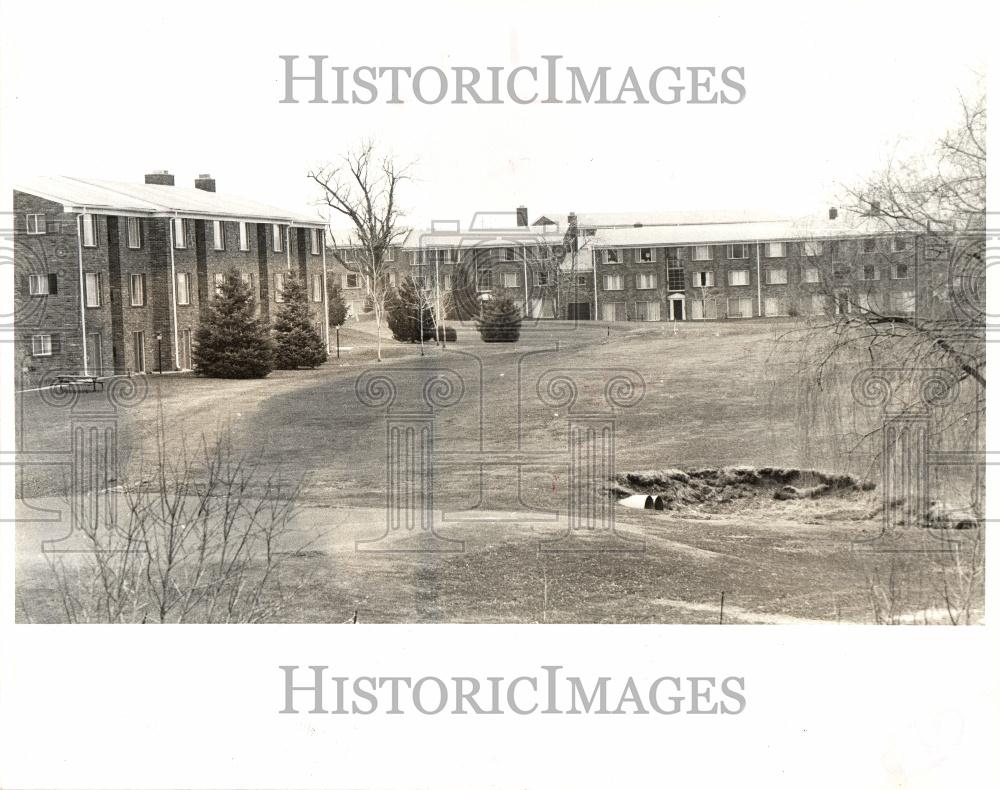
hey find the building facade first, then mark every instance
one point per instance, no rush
(684, 267)
(114, 278)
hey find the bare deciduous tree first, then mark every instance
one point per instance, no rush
(195, 537)
(363, 188)
(936, 203)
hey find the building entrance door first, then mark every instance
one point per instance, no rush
(676, 309)
(578, 311)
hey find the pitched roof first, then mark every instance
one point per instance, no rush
(628, 219)
(739, 232)
(78, 194)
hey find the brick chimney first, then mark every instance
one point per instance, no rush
(833, 212)
(522, 217)
(161, 177)
(205, 181)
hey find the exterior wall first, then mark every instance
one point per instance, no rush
(840, 273)
(400, 266)
(56, 252)
(112, 325)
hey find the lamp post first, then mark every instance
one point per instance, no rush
(159, 350)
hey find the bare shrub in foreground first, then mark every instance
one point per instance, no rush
(194, 537)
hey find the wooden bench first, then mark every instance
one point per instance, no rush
(74, 381)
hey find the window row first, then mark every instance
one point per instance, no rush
(741, 252)
(179, 233)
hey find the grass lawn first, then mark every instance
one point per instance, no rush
(715, 395)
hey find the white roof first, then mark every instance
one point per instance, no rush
(104, 197)
(480, 239)
(628, 219)
(735, 233)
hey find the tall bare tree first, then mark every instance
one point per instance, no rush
(936, 203)
(363, 187)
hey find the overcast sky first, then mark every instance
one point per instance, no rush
(114, 90)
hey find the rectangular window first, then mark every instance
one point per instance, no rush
(510, 279)
(675, 277)
(508, 254)
(774, 249)
(279, 285)
(703, 309)
(137, 290)
(645, 281)
(92, 289)
(133, 230)
(350, 281)
(776, 276)
(817, 304)
(870, 272)
(139, 352)
(612, 256)
(218, 235)
(900, 244)
(900, 271)
(89, 230)
(248, 281)
(277, 242)
(614, 282)
(180, 242)
(220, 280)
(774, 306)
(183, 288)
(583, 280)
(647, 311)
(541, 278)
(740, 307)
(836, 250)
(868, 245)
(739, 277)
(812, 248)
(701, 252)
(645, 255)
(41, 284)
(41, 345)
(484, 279)
(447, 282)
(244, 237)
(393, 279)
(739, 252)
(703, 279)
(390, 255)
(35, 224)
(810, 275)
(317, 287)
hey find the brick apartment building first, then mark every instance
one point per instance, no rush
(670, 267)
(114, 278)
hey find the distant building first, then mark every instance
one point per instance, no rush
(676, 266)
(114, 278)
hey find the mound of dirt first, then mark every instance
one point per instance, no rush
(733, 488)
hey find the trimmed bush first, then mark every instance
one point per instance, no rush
(500, 321)
(448, 334)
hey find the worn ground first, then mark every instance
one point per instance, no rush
(712, 395)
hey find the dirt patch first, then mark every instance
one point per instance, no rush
(733, 489)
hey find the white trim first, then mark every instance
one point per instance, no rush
(83, 309)
(173, 299)
(326, 299)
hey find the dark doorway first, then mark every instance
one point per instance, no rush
(578, 311)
